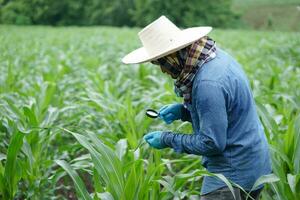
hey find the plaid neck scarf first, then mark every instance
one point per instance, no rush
(183, 65)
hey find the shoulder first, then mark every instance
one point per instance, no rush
(215, 69)
(214, 77)
(209, 89)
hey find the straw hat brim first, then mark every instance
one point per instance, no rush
(184, 39)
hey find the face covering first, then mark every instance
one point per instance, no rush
(183, 65)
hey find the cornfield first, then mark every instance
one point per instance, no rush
(72, 117)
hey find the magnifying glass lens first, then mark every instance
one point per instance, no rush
(151, 113)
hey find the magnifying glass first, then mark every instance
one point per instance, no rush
(151, 113)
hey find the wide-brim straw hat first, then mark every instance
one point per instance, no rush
(161, 38)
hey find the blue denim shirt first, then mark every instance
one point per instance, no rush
(227, 131)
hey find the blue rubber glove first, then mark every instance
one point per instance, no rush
(153, 139)
(171, 112)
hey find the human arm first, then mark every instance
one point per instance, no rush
(211, 110)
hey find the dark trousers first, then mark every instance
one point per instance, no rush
(225, 194)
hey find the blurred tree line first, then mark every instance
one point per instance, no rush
(216, 13)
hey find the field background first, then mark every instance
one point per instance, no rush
(72, 78)
(280, 15)
(269, 14)
(72, 116)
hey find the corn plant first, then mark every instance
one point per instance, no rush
(71, 114)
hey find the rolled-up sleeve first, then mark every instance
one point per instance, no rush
(211, 111)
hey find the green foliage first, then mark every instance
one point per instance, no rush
(135, 177)
(72, 116)
(11, 175)
(118, 13)
(79, 185)
(16, 12)
(192, 13)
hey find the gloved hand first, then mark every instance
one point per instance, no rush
(153, 139)
(171, 112)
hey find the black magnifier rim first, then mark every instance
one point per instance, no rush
(151, 110)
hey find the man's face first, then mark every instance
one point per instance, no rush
(168, 64)
(156, 62)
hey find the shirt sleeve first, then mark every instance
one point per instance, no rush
(211, 110)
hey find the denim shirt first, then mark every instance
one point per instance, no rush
(227, 130)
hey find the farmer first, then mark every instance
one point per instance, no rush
(217, 100)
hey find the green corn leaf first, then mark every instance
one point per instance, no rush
(267, 120)
(47, 93)
(270, 178)
(2, 156)
(168, 186)
(296, 152)
(292, 182)
(11, 163)
(97, 182)
(12, 108)
(289, 139)
(226, 181)
(79, 185)
(105, 196)
(96, 157)
(29, 113)
(206, 173)
(111, 159)
(282, 155)
(121, 148)
(132, 182)
(106, 163)
(28, 152)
